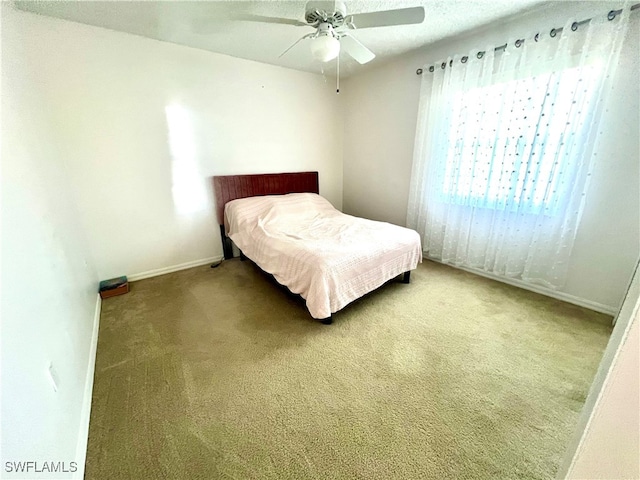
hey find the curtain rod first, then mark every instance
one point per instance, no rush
(554, 31)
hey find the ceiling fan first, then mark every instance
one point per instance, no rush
(332, 25)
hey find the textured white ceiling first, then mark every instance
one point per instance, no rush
(207, 25)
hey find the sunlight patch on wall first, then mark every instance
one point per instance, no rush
(188, 190)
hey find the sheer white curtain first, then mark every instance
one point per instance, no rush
(504, 148)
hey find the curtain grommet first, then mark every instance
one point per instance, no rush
(574, 26)
(431, 68)
(480, 54)
(611, 15)
(464, 59)
(553, 32)
(419, 71)
(444, 64)
(519, 43)
(537, 37)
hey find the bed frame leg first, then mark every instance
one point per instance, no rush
(406, 277)
(327, 321)
(242, 256)
(226, 244)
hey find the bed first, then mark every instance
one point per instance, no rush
(282, 224)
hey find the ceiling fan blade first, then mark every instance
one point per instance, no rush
(297, 42)
(260, 18)
(355, 49)
(387, 18)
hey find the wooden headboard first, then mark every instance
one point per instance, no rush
(231, 187)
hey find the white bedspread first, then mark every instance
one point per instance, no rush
(327, 257)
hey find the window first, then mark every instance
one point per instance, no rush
(509, 142)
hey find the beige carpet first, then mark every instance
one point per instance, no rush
(218, 373)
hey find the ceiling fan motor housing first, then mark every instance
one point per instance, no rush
(318, 12)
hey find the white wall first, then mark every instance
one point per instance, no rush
(607, 441)
(49, 283)
(380, 120)
(611, 443)
(144, 204)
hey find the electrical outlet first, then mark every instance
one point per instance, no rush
(53, 377)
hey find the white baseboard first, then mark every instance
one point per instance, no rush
(83, 431)
(173, 268)
(565, 297)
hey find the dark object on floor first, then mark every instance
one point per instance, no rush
(113, 287)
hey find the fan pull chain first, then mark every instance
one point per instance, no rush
(338, 77)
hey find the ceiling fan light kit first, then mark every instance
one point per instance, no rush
(325, 47)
